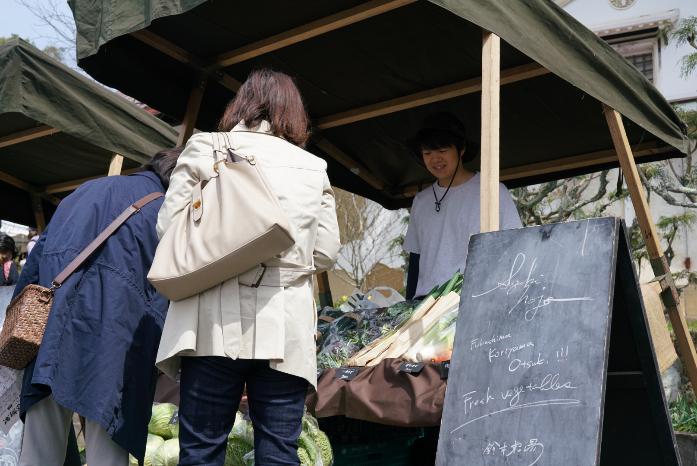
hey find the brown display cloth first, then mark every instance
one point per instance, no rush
(383, 395)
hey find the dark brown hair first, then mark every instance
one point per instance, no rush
(271, 96)
(7, 245)
(164, 162)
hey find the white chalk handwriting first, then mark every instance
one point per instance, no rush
(504, 449)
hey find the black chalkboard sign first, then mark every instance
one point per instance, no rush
(553, 363)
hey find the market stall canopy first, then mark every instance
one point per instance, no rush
(371, 71)
(58, 127)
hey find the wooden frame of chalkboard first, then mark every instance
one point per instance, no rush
(553, 362)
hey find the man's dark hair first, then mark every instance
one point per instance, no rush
(442, 130)
(164, 162)
(7, 243)
(271, 96)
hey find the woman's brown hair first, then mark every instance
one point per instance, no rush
(271, 96)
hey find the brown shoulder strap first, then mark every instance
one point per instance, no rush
(103, 236)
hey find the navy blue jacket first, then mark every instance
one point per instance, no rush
(98, 353)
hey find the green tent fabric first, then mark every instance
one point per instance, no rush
(93, 123)
(414, 48)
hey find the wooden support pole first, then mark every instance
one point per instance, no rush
(192, 109)
(325, 292)
(661, 269)
(115, 165)
(489, 177)
(38, 209)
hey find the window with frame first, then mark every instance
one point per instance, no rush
(639, 53)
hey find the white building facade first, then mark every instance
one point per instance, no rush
(637, 30)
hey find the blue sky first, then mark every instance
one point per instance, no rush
(17, 19)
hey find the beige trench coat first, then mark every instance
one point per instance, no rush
(276, 321)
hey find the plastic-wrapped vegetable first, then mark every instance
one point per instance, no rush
(242, 429)
(240, 441)
(151, 446)
(167, 454)
(305, 442)
(436, 344)
(248, 459)
(164, 421)
(353, 331)
(304, 458)
(325, 448)
(324, 322)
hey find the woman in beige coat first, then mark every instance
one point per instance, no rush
(237, 334)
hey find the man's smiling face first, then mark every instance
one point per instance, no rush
(441, 163)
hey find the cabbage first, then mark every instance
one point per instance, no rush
(160, 420)
(242, 429)
(167, 454)
(319, 439)
(151, 446)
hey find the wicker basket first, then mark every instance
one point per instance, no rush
(24, 326)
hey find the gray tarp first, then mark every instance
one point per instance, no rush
(94, 124)
(409, 49)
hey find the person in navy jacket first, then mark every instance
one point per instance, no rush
(97, 357)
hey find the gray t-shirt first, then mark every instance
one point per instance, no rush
(441, 238)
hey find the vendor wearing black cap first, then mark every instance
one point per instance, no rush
(446, 214)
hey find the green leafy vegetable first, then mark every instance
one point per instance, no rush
(167, 454)
(160, 421)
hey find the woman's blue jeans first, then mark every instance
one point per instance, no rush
(211, 389)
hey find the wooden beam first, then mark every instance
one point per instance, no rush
(74, 184)
(307, 31)
(38, 209)
(16, 182)
(348, 162)
(661, 269)
(115, 165)
(24, 186)
(491, 88)
(27, 135)
(194, 104)
(168, 48)
(450, 91)
(192, 110)
(602, 157)
(184, 56)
